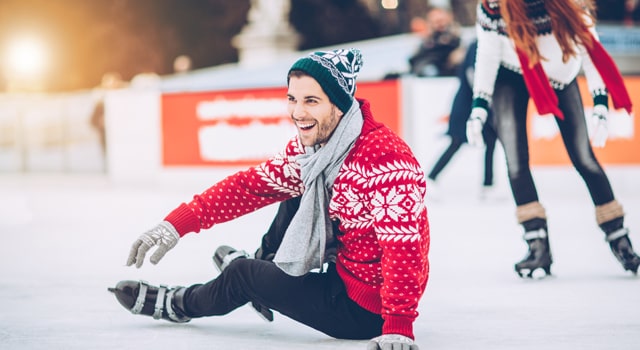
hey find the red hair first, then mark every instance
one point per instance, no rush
(568, 24)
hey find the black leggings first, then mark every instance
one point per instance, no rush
(316, 299)
(510, 103)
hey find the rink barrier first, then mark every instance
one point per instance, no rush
(150, 133)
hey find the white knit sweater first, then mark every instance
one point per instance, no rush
(496, 49)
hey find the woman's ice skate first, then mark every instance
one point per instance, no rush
(538, 256)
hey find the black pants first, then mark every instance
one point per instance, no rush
(454, 147)
(490, 147)
(510, 102)
(317, 299)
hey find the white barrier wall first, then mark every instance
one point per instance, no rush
(40, 133)
(133, 134)
(134, 137)
(55, 133)
(11, 144)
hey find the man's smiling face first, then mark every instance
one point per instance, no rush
(311, 110)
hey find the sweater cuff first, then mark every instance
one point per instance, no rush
(398, 325)
(184, 220)
(481, 103)
(601, 98)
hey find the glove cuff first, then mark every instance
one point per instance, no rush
(479, 113)
(170, 229)
(600, 109)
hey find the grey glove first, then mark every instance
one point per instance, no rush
(391, 342)
(164, 236)
(474, 126)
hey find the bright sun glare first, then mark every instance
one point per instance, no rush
(26, 57)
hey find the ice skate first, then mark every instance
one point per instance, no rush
(538, 256)
(223, 256)
(622, 249)
(158, 302)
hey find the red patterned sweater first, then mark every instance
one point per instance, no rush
(378, 196)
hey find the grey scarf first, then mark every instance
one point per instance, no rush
(305, 242)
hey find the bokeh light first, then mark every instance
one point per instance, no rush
(26, 62)
(26, 57)
(389, 4)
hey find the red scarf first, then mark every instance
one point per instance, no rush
(545, 98)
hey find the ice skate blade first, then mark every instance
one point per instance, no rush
(263, 312)
(535, 273)
(633, 269)
(632, 265)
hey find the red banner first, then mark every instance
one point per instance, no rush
(244, 127)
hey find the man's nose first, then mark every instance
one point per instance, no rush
(297, 111)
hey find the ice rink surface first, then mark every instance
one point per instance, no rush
(65, 239)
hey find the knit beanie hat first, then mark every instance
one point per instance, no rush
(335, 71)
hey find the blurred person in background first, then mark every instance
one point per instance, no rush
(436, 55)
(110, 81)
(533, 48)
(460, 110)
(633, 11)
(610, 11)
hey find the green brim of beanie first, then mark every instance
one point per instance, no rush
(327, 81)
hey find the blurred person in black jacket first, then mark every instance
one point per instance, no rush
(435, 56)
(460, 110)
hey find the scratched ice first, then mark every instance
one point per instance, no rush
(65, 239)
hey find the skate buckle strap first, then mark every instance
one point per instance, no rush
(535, 234)
(617, 234)
(170, 312)
(231, 257)
(157, 311)
(142, 295)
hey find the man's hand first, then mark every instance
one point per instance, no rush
(392, 342)
(164, 236)
(600, 131)
(474, 126)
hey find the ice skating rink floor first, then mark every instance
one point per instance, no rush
(65, 239)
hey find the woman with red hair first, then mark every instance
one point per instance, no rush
(535, 49)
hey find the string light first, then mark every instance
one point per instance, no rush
(389, 4)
